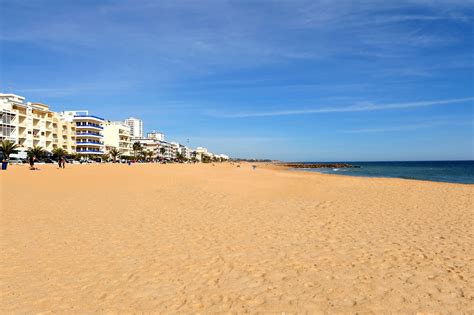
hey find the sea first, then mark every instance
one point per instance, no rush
(461, 172)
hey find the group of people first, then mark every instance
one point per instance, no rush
(32, 159)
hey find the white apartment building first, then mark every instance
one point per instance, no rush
(167, 150)
(148, 145)
(10, 107)
(223, 157)
(200, 152)
(89, 132)
(174, 149)
(33, 124)
(185, 151)
(136, 127)
(117, 135)
(156, 135)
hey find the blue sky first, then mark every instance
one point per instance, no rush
(290, 80)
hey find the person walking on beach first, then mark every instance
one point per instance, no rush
(32, 162)
(59, 162)
(62, 162)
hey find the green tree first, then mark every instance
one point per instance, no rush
(7, 148)
(180, 157)
(206, 159)
(36, 152)
(149, 154)
(76, 156)
(114, 153)
(137, 147)
(162, 151)
(59, 153)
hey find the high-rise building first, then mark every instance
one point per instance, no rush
(89, 132)
(136, 127)
(117, 135)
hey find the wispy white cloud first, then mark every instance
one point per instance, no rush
(363, 107)
(413, 126)
(78, 88)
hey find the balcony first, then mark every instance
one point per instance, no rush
(89, 152)
(88, 134)
(92, 143)
(91, 127)
(88, 117)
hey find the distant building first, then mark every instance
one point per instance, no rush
(34, 124)
(223, 157)
(167, 151)
(136, 127)
(174, 150)
(185, 151)
(117, 135)
(156, 135)
(200, 152)
(148, 145)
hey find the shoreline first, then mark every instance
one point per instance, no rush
(316, 171)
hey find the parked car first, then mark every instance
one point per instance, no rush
(15, 160)
(47, 161)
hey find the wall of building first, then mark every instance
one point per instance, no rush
(34, 124)
(117, 135)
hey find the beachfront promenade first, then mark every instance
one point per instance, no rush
(211, 239)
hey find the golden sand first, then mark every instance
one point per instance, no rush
(214, 239)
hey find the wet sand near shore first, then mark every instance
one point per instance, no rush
(217, 239)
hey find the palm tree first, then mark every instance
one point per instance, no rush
(136, 148)
(7, 147)
(149, 154)
(193, 156)
(162, 151)
(206, 159)
(114, 153)
(180, 157)
(36, 152)
(59, 153)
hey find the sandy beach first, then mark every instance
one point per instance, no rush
(217, 239)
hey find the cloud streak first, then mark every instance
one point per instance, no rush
(414, 126)
(353, 108)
